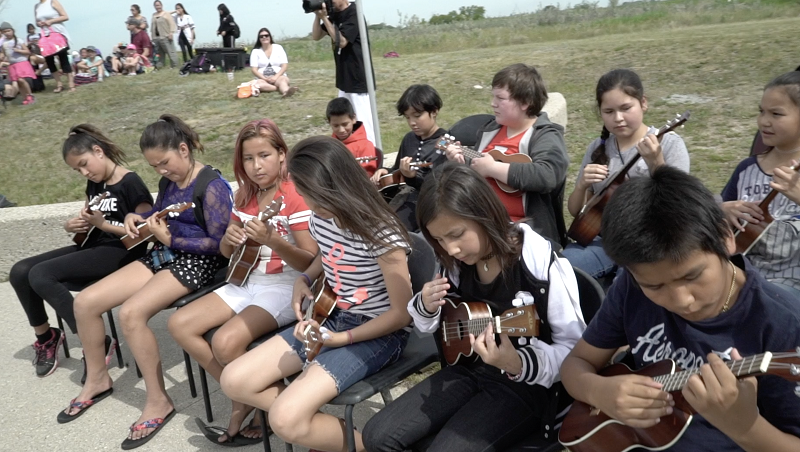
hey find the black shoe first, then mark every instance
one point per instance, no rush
(110, 349)
(4, 202)
(46, 359)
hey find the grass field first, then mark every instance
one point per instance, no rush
(715, 70)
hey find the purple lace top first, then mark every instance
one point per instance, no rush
(187, 235)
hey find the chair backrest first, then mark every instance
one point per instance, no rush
(421, 261)
(758, 146)
(591, 293)
(379, 153)
(466, 129)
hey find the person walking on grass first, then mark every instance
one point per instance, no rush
(186, 35)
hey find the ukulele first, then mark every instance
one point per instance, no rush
(361, 160)
(586, 429)
(396, 178)
(586, 225)
(323, 300)
(460, 320)
(81, 238)
(144, 230)
(449, 140)
(245, 256)
(753, 232)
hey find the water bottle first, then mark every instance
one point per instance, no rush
(155, 61)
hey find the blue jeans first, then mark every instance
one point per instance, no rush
(592, 259)
(352, 363)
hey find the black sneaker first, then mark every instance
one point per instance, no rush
(46, 359)
(110, 349)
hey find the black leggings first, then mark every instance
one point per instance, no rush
(184, 43)
(228, 40)
(43, 277)
(63, 59)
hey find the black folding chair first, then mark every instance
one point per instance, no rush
(466, 129)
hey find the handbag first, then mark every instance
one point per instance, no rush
(247, 89)
(51, 42)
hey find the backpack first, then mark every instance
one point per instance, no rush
(236, 31)
(206, 175)
(198, 65)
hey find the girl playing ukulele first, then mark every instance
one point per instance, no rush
(263, 303)
(622, 103)
(483, 256)
(185, 258)
(362, 257)
(42, 278)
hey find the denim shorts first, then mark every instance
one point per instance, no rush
(352, 363)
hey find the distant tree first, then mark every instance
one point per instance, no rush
(464, 13)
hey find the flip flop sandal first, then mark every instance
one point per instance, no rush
(58, 89)
(155, 423)
(214, 433)
(250, 426)
(63, 417)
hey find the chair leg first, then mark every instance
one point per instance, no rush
(206, 395)
(190, 374)
(138, 372)
(386, 395)
(262, 416)
(63, 332)
(113, 328)
(348, 423)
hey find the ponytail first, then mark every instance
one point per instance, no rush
(599, 156)
(168, 133)
(83, 137)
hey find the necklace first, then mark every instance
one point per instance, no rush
(111, 176)
(730, 292)
(266, 189)
(485, 260)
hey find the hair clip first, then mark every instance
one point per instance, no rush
(162, 120)
(73, 133)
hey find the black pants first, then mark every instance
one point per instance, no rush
(227, 40)
(63, 59)
(458, 409)
(185, 46)
(42, 278)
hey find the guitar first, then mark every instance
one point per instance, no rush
(753, 232)
(144, 230)
(81, 238)
(449, 140)
(586, 225)
(460, 320)
(323, 300)
(245, 256)
(586, 429)
(396, 178)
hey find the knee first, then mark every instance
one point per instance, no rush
(179, 325)
(226, 347)
(286, 421)
(233, 383)
(131, 318)
(374, 435)
(85, 305)
(19, 274)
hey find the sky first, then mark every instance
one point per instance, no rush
(101, 22)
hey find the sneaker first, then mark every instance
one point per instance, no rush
(29, 100)
(46, 359)
(110, 349)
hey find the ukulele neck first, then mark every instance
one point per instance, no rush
(741, 368)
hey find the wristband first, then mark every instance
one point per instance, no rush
(350, 336)
(308, 280)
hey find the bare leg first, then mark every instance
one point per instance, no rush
(265, 86)
(71, 78)
(24, 88)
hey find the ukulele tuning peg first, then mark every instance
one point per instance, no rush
(522, 341)
(797, 390)
(516, 302)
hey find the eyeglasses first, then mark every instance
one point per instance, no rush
(263, 36)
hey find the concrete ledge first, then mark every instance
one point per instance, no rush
(28, 231)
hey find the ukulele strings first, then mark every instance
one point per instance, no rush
(472, 325)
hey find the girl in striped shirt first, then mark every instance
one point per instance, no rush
(263, 302)
(363, 249)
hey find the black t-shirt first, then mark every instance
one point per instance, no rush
(125, 196)
(350, 76)
(420, 150)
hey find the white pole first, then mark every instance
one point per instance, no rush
(362, 30)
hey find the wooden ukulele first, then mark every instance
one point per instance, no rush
(586, 225)
(81, 238)
(449, 140)
(245, 256)
(396, 178)
(144, 230)
(753, 232)
(586, 429)
(322, 303)
(460, 320)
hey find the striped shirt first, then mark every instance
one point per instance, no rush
(777, 252)
(351, 266)
(293, 216)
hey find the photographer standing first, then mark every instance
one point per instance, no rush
(342, 27)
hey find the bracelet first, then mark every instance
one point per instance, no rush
(350, 336)
(308, 280)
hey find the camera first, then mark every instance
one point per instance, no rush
(309, 6)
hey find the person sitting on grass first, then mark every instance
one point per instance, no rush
(90, 69)
(268, 62)
(19, 68)
(133, 62)
(350, 131)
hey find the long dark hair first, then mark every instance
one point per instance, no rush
(257, 45)
(138, 10)
(83, 137)
(224, 9)
(184, 9)
(324, 171)
(458, 190)
(168, 133)
(629, 83)
(264, 128)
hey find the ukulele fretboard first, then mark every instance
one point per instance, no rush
(753, 365)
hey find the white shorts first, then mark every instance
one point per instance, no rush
(276, 299)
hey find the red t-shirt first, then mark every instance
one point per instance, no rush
(142, 41)
(508, 146)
